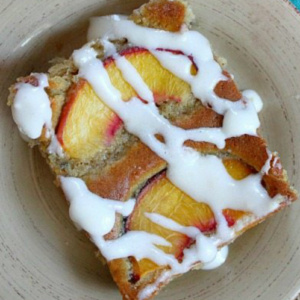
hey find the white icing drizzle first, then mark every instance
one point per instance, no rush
(149, 116)
(55, 146)
(206, 247)
(255, 98)
(165, 276)
(109, 48)
(204, 178)
(90, 212)
(151, 288)
(134, 78)
(218, 261)
(96, 216)
(243, 113)
(183, 162)
(276, 163)
(31, 108)
(139, 244)
(266, 167)
(179, 65)
(168, 223)
(191, 43)
(103, 24)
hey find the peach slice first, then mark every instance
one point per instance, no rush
(164, 85)
(162, 197)
(237, 169)
(86, 123)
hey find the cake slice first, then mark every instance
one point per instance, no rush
(154, 146)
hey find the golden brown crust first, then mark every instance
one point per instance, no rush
(276, 185)
(163, 14)
(203, 116)
(251, 149)
(227, 89)
(121, 180)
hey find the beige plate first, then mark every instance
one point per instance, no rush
(42, 256)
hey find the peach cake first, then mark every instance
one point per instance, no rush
(156, 149)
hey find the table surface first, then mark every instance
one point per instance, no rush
(296, 3)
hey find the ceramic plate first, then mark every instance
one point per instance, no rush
(42, 255)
